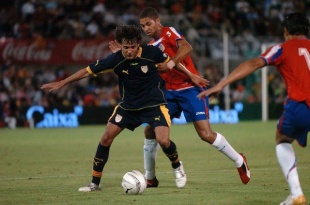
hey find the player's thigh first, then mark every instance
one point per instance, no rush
(110, 133)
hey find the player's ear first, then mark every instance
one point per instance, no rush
(285, 33)
(157, 20)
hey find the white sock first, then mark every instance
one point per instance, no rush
(287, 160)
(150, 149)
(223, 146)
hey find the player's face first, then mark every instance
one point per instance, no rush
(129, 49)
(150, 27)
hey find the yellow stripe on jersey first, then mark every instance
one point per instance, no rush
(165, 112)
(167, 59)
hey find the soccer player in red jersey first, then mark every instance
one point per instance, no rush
(292, 60)
(181, 96)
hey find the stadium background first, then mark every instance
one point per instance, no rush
(46, 40)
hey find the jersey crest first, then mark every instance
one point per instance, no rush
(161, 47)
(168, 33)
(144, 68)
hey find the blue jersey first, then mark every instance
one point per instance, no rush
(140, 85)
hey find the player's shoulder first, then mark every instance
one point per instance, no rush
(117, 56)
(149, 51)
(170, 32)
(168, 28)
(295, 44)
(149, 48)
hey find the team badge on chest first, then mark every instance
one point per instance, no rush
(144, 68)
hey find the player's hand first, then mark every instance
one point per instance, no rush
(211, 93)
(52, 86)
(199, 81)
(162, 67)
(114, 46)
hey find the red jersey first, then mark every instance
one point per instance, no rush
(167, 42)
(292, 60)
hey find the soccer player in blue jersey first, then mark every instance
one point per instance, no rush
(142, 99)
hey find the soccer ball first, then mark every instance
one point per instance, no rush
(134, 182)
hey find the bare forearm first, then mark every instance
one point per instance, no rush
(183, 69)
(243, 70)
(82, 73)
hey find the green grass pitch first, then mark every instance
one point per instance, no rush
(47, 166)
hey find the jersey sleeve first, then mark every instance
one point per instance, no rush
(161, 57)
(173, 36)
(104, 65)
(273, 55)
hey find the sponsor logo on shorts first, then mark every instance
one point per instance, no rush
(157, 118)
(200, 113)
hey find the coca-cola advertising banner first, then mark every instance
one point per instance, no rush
(53, 51)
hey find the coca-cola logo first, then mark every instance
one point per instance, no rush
(25, 52)
(90, 51)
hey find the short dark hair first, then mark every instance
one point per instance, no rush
(149, 12)
(296, 24)
(130, 33)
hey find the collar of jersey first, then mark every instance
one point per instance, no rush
(138, 53)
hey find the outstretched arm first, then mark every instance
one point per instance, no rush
(243, 70)
(82, 73)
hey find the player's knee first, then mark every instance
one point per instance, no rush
(208, 136)
(164, 143)
(281, 138)
(106, 140)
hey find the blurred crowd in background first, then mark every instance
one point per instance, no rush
(248, 24)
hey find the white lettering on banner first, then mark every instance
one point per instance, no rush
(55, 119)
(91, 52)
(26, 52)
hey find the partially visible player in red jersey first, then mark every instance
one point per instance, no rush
(172, 42)
(181, 96)
(292, 60)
